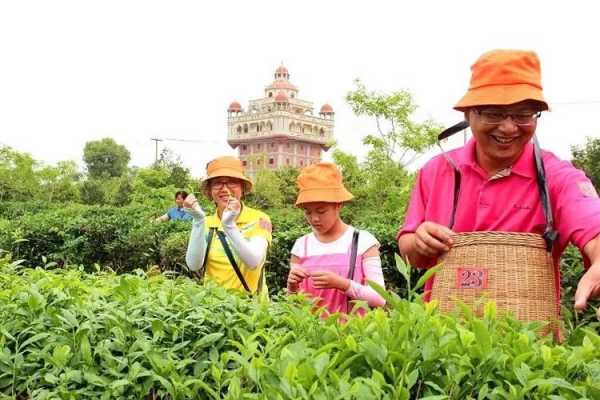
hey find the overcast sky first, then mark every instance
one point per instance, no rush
(75, 71)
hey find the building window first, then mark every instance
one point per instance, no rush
(244, 163)
(258, 146)
(244, 147)
(270, 94)
(271, 161)
(259, 162)
(287, 161)
(302, 163)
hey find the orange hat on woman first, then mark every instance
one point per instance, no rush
(321, 182)
(226, 166)
(502, 77)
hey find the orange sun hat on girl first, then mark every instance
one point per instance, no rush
(321, 182)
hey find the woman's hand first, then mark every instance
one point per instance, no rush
(191, 206)
(329, 280)
(296, 275)
(232, 210)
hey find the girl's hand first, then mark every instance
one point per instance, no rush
(296, 275)
(329, 280)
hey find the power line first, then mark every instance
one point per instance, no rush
(157, 139)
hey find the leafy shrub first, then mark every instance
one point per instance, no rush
(68, 334)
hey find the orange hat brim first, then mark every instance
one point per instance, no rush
(229, 173)
(500, 95)
(324, 195)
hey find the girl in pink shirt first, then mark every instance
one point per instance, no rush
(334, 262)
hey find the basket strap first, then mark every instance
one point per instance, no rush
(550, 234)
(446, 133)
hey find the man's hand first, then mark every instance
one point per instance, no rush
(588, 288)
(296, 275)
(589, 284)
(431, 239)
(329, 280)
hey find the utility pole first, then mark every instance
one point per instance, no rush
(156, 140)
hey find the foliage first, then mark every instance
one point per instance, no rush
(59, 182)
(18, 180)
(398, 135)
(587, 158)
(177, 174)
(68, 334)
(105, 158)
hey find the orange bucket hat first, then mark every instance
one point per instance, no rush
(321, 182)
(226, 166)
(502, 77)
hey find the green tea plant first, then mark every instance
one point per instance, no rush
(69, 334)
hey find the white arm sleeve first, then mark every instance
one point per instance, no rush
(373, 272)
(194, 257)
(252, 251)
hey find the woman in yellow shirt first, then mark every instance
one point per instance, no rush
(229, 247)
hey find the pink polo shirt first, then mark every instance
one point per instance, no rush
(510, 203)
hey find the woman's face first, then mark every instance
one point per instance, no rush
(322, 216)
(222, 188)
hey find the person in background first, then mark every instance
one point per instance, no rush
(177, 212)
(322, 261)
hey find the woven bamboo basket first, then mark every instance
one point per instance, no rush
(512, 269)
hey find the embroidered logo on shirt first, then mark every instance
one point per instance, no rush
(587, 189)
(471, 278)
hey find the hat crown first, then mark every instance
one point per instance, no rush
(506, 67)
(320, 176)
(224, 162)
(504, 77)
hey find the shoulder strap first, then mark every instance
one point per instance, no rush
(200, 273)
(353, 251)
(550, 234)
(231, 259)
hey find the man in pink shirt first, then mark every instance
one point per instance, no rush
(498, 184)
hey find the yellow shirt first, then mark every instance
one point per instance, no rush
(251, 223)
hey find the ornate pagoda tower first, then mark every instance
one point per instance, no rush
(279, 129)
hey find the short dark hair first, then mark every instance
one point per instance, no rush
(183, 194)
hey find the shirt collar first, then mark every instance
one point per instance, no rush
(524, 166)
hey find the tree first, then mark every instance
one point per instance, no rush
(179, 176)
(59, 182)
(92, 191)
(18, 178)
(587, 158)
(399, 137)
(105, 158)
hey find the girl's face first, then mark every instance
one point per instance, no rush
(322, 216)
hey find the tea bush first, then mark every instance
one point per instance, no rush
(68, 334)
